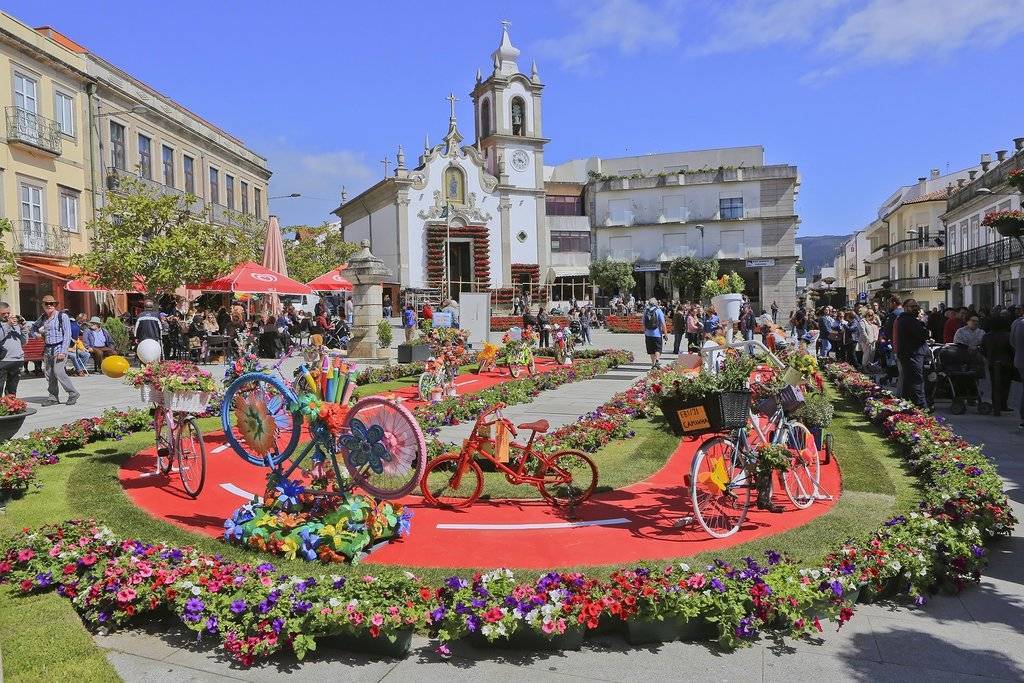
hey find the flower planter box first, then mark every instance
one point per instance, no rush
(10, 424)
(528, 639)
(640, 631)
(150, 395)
(721, 412)
(728, 306)
(381, 646)
(413, 353)
(186, 401)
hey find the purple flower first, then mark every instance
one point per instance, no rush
(896, 521)
(920, 600)
(746, 629)
(238, 606)
(978, 551)
(718, 585)
(473, 624)
(301, 607)
(265, 567)
(212, 625)
(837, 588)
(102, 617)
(277, 625)
(455, 583)
(263, 607)
(437, 615)
(194, 605)
(773, 557)
(43, 580)
(339, 583)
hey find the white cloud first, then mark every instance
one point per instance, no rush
(627, 26)
(318, 176)
(749, 24)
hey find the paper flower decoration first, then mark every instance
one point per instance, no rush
(365, 446)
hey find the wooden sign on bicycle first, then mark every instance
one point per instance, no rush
(693, 419)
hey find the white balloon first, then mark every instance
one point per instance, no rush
(148, 351)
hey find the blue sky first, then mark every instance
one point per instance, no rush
(862, 95)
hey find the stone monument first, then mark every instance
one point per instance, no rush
(367, 273)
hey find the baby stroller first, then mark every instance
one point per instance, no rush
(339, 336)
(955, 373)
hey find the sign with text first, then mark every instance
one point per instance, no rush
(760, 262)
(442, 319)
(694, 418)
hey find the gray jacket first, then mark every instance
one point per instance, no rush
(1017, 342)
(12, 339)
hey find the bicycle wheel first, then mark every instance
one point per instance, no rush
(444, 486)
(164, 440)
(191, 457)
(801, 479)
(719, 487)
(569, 478)
(514, 369)
(428, 380)
(384, 448)
(265, 431)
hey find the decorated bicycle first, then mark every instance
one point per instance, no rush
(487, 358)
(178, 390)
(380, 443)
(448, 354)
(517, 352)
(564, 342)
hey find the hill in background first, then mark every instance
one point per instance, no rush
(819, 250)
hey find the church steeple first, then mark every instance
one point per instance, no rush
(453, 137)
(506, 54)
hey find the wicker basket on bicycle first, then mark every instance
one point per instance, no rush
(717, 412)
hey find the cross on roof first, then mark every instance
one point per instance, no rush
(386, 163)
(451, 103)
(505, 23)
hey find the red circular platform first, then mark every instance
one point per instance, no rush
(644, 521)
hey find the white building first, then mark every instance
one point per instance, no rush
(980, 267)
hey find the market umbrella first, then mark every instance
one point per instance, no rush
(331, 281)
(273, 257)
(252, 278)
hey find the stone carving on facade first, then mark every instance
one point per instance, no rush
(468, 212)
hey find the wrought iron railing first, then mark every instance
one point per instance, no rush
(42, 239)
(906, 283)
(991, 179)
(981, 257)
(34, 130)
(913, 244)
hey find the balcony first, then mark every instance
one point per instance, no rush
(117, 176)
(997, 253)
(40, 239)
(33, 131)
(905, 284)
(913, 244)
(991, 179)
(878, 255)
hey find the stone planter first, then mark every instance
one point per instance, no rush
(728, 306)
(413, 353)
(640, 631)
(528, 639)
(10, 424)
(380, 646)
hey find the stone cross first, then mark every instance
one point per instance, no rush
(451, 103)
(505, 23)
(386, 162)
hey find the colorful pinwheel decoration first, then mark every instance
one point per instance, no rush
(259, 419)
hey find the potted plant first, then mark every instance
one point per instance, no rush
(1016, 179)
(179, 385)
(816, 414)
(726, 294)
(13, 412)
(1006, 223)
(699, 402)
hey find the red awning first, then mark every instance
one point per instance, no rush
(82, 285)
(60, 271)
(252, 278)
(331, 282)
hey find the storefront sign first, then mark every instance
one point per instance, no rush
(760, 262)
(693, 419)
(647, 268)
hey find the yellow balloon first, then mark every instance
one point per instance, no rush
(114, 366)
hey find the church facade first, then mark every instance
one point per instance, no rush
(467, 216)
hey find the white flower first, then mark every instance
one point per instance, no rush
(334, 602)
(685, 567)
(196, 590)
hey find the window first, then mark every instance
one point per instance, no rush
(562, 242)
(673, 208)
(620, 212)
(454, 186)
(69, 210)
(485, 118)
(229, 190)
(214, 186)
(975, 231)
(244, 188)
(26, 93)
(31, 210)
(167, 156)
(64, 112)
(188, 165)
(257, 202)
(920, 270)
(145, 157)
(730, 208)
(569, 288)
(559, 205)
(518, 116)
(117, 153)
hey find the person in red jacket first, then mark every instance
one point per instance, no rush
(427, 313)
(954, 322)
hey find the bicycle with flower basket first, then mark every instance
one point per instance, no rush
(564, 343)
(178, 390)
(448, 354)
(517, 354)
(382, 447)
(487, 358)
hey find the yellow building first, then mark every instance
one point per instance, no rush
(45, 188)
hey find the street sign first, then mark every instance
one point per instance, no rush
(760, 262)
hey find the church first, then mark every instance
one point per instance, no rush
(484, 201)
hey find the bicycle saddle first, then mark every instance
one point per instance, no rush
(539, 426)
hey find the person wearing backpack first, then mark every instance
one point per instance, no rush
(408, 322)
(654, 331)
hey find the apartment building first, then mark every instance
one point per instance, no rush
(725, 204)
(75, 125)
(979, 267)
(44, 162)
(907, 238)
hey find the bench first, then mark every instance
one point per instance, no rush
(34, 354)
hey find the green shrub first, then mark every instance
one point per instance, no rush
(120, 336)
(385, 334)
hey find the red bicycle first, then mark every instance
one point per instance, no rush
(454, 480)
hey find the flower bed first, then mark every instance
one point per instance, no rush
(253, 612)
(502, 323)
(11, 405)
(20, 457)
(631, 324)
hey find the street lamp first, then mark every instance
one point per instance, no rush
(285, 196)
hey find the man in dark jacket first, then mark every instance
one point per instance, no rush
(910, 341)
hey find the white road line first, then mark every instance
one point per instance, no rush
(551, 525)
(241, 493)
(222, 447)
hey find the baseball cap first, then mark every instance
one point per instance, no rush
(49, 300)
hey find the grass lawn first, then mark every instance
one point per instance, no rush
(43, 639)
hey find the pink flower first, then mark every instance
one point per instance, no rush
(26, 555)
(548, 627)
(377, 619)
(126, 595)
(55, 550)
(266, 580)
(696, 581)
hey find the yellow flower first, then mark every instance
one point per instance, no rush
(289, 547)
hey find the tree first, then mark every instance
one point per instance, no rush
(141, 232)
(315, 251)
(688, 275)
(8, 266)
(612, 276)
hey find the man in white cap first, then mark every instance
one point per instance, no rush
(654, 331)
(98, 341)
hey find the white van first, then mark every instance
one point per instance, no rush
(301, 302)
